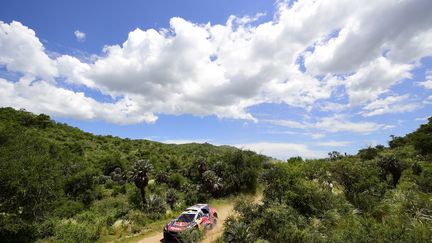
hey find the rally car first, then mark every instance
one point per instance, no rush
(197, 217)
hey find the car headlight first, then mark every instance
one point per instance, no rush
(166, 227)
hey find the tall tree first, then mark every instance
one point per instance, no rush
(139, 175)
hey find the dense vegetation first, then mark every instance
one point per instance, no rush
(60, 184)
(382, 194)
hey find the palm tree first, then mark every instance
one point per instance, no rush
(139, 174)
(236, 231)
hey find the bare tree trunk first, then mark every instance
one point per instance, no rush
(144, 201)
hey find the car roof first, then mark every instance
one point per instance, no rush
(195, 208)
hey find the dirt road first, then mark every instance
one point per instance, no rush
(223, 212)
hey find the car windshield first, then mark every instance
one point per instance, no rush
(186, 217)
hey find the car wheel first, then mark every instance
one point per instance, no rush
(195, 235)
(215, 220)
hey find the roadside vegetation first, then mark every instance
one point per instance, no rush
(381, 194)
(60, 184)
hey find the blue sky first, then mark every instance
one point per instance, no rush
(282, 78)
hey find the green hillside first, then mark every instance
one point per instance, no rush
(382, 194)
(59, 183)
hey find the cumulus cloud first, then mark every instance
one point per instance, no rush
(374, 79)
(21, 51)
(390, 104)
(224, 69)
(369, 31)
(79, 35)
(43, 97)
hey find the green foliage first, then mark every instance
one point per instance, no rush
(236, 231)
(67, 208)
(81, 186)
(176, 180)
(139, 175)
(61, 184)
(71, 231)
(295, 159)
(368, 153)
(379, 195)
(422, 138)
(156, 206)
(361, 182)
(393, 166)
(191, 236)
(171, 196)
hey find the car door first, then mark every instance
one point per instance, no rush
(205, 218)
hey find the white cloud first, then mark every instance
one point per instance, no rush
(335, 143)
(421, 119)
(315, 135)
(340, 124)
(185, 141)
(43, 97)
(428, 100)
(372, 29)
(374, 79)
(333, 124)
(333, 107)
(289, 123)
(224, 69)
(79, 35)
(21, 51)
(427, 84)
(282, 151)
(390, 104)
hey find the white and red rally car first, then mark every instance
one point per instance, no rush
(197, 217)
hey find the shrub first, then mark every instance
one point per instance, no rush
(70, 231)
(156, 206)
(67, 208)
(172, 196)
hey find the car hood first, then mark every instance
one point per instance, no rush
(178, 226)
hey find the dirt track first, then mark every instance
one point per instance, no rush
(223, 212)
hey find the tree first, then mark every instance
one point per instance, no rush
(422, 138)
(172, 196)
(368, 153)
(139, 175)
(212, 182)
(295, 159)
(335, 155)
(396, 141)
(391, 165)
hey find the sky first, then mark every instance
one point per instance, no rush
(283, 78)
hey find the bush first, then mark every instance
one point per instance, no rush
(137, 217)
(134, 198)
(171, 196)
(156, 206)
(68, 208)
(176, 180)
(70, 231)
